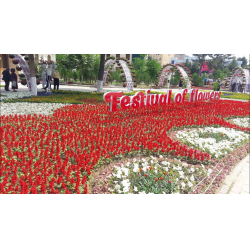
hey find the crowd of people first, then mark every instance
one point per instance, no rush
(12, 78)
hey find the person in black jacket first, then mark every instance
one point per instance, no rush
(180, 83)
(6, 78)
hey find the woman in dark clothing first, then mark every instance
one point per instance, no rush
(180, 83)
(6, 78)
(13, 78)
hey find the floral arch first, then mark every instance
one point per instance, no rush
(128, 73)
(240, 75)
(167, 68)
(19, 60)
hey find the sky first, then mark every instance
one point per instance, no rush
(237, 55)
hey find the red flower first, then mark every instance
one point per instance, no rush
(156, 179)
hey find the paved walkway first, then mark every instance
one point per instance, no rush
(238, 181)
(81, 88)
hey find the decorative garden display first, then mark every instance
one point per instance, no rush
(169, 69)
(239, 80)
(126, 68)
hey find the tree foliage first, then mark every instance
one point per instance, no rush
(244, 61)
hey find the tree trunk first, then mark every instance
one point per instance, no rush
(100, 73)
(32, 74)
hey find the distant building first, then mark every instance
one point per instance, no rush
(183, 59)
(179, 56)
(127, 56)
(162, 58)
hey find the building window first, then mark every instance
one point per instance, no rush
(36, 58)
(49, 58)
(108, 55)
(117, 56)
(128, 56)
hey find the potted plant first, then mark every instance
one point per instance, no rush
(23, 82)
(22, 54)
(15, 61)
(38, 82)
(26, 58)
(11, 56)
(18, 68)
(124, 85)
(135, 85)
(21, 75)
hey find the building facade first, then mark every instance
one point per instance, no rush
(179, 56)
(127, 56)
(5, 61)
(162, 58)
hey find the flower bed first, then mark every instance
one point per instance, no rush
(29, 108)
(15, 95)
(242, 122)
(215, 141)
(150, 175)
(59, 153)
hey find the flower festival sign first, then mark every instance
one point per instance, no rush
(140, 100)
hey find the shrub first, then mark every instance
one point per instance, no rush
(216, 86)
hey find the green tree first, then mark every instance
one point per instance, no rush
(244, 61)
(100, 73)
(198, 80)
(219, 61)
(233, 64)
(201, 58)
(152, 69)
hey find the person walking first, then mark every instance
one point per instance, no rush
(6, 78)
(56, 77)
(13, 78)
(180, 83)
(205, 81)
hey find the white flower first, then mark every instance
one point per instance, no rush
(165, 163)
(142, 192)
(125, 189)
(161, 156)
(192, 178)
(117, 187)
(183, 185)
(190, 184)
(135, 189)
(128, 164)
(192, 169)
(126, 183)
